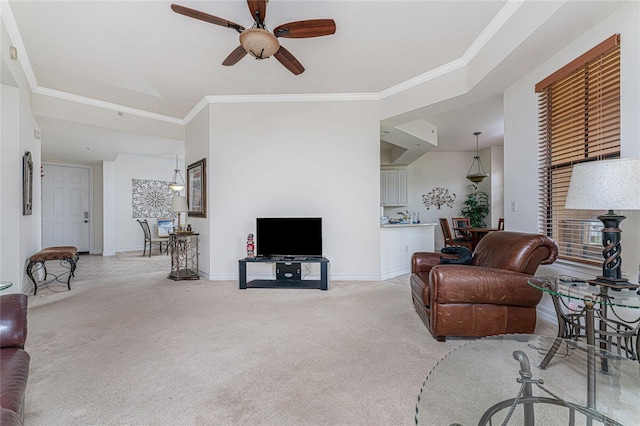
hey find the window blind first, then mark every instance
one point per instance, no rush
(578, 121)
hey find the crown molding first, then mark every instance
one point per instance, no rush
(503, 15)
(485, 36)
(423, 78)
(302, 97)
(105, 105)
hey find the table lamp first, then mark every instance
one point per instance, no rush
(179, 205)
(607, 185)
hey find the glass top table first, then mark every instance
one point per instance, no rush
(497, 380)
(584, 291)
(578, 304)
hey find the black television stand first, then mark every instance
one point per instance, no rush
(287, 273)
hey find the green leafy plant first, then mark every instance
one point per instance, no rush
(476, 207)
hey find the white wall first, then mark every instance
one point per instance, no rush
(296, 159)
(449, 170)
(438, 170)
(128, 235)
(496, 184)
(20, 236)
(521, 135)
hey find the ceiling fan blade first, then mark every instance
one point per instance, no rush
(233, 58)
(196, 14)
(289, 61)
(258, 10)
(305, 29)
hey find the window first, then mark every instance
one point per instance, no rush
(578, 121)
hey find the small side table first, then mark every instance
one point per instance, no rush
(183, 247)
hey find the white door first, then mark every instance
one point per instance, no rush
(65, 206)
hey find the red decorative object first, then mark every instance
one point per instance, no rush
(250, 247)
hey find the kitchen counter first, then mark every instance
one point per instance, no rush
(406, 225)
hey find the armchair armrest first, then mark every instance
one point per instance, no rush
(424, 261)
(476, 284)
(13, 320)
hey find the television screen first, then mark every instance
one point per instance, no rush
(290, 237)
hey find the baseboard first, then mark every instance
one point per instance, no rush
(395, 273)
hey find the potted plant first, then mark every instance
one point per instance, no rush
(476, 207)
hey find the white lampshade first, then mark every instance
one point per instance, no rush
(605, 185)
(179, 204)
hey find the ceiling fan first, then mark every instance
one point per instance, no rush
(259, 42)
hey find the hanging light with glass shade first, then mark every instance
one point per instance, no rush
(479, 174)
(175, 184)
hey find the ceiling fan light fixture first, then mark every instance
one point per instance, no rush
(480, 174)
(259, 43)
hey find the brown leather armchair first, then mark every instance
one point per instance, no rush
(491, 295)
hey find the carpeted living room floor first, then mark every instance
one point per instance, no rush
(127, 346)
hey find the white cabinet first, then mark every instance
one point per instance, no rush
(399, 242)
(393, 187)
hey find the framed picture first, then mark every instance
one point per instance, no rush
(197, 188)
(27, 184)
(165, 226)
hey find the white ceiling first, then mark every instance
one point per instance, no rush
(140, 55)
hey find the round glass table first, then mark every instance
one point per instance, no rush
(497, 380)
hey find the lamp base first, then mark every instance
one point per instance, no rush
(613, 283)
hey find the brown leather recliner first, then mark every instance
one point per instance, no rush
(491, 295)
(14, 361)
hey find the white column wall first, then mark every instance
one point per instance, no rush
(109, 208)
(197, 143)
(275, 159)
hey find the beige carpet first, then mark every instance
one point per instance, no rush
(142, 349)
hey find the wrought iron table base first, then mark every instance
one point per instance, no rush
(69, 264)
(526, 398)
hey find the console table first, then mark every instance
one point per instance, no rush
(184, 256)
(287, 273)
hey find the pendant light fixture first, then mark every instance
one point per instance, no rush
(479, 175)
(175, 184)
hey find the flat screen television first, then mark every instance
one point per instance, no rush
(291, 237)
